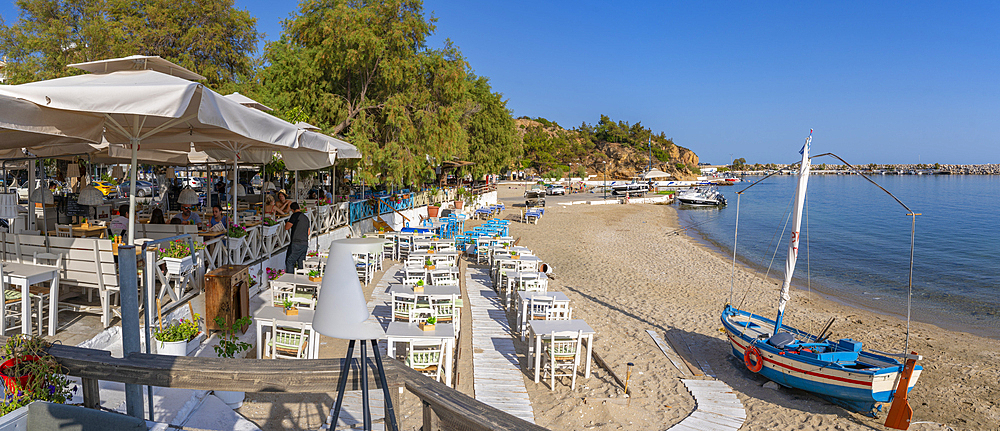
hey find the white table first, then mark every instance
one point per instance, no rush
(24, 275)
(524, 299)
(538, 329)
(407, 332)
(262, 317)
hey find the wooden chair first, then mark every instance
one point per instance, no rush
(64, 230)
(402, 303)
(561, 353)
(425, 356)
(41, 293)
(288, 341)
(443, 277)
(420, 314)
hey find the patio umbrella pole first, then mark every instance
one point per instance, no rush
(134, 143)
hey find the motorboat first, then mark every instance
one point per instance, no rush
(705, 196)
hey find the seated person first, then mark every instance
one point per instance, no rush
(281, 207)
(157, 217)
(269, 205)
(312, 194)
(119, 224)
(218, 217)
(186, 216)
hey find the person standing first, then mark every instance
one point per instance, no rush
(298, 223)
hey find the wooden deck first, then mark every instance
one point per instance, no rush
(498, 379)
(718, 408)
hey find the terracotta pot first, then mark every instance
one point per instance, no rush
(432, 210)
(459, 204)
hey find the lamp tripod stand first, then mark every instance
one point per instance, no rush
(390, 414)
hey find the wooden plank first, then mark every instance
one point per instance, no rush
(600, 362)
(684, 354)
(669, 353)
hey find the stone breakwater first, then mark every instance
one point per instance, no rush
(993, 169)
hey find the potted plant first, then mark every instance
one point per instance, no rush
(229, 346)
(430, 250)
(460, 196)
(428, 263)
(176, 338)
(314, 275)
(429, 324)
(177, 256)
(29, 373)
(274, 273)
(236, 234)
(289, 306)
(419, 287)
(270, 226)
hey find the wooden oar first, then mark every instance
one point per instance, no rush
(900, 411)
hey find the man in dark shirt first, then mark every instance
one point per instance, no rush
(298, 223)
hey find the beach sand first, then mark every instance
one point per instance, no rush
(625, 274)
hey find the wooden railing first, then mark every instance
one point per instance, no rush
(443, 407)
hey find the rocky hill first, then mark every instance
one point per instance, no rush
(549, 146)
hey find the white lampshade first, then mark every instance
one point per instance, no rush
(42, 193)
(117, 172)
(240, 190)
(72, 170)
(269, 187)
(188, 197)
(90, 196)
(341, 310)
(8, 205)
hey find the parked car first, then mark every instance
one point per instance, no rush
(58, 188)
(106, 187)
(142, 189)
(556, 190)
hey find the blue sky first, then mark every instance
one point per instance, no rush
(880, 82)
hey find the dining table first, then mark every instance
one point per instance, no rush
(539, 329)
(25, 275)
(406, 332)
(88, 231)
(266, 316)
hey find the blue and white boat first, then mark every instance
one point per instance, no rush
(838, 370)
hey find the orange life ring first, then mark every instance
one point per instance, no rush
(752, 359)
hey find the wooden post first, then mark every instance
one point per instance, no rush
(91, 393)
(431, 422)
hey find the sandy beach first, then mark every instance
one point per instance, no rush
(625, 275)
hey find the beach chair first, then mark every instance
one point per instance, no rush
(562, 356)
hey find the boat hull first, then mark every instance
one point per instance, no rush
(857, 384)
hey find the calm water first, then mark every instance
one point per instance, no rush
(856, 240)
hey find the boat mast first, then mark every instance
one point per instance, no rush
(793, 245)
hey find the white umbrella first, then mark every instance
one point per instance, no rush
(654, 173)
(156, 110)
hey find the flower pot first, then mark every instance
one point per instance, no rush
(178, 265)
(430, 251)
(428, 266)
(233, 399)
(316, 279)
(432, 210)
(418, 289)
(235, 243)
(459, 205)
(292, 311)
(12, 383)
(426, 327)
(195, 342)
(271, 230)
(171, 348)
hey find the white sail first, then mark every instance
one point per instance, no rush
(793, 245)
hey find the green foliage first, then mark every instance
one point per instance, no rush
(739, 163)
(229, 343)
(46, 381)
(210, 37)
(184, 330)
(556, 173)
(580, 172)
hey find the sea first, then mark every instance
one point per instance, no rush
(855, 244)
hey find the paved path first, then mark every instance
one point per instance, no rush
(498, 380)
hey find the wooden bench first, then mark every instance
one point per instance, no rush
(88, 263)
